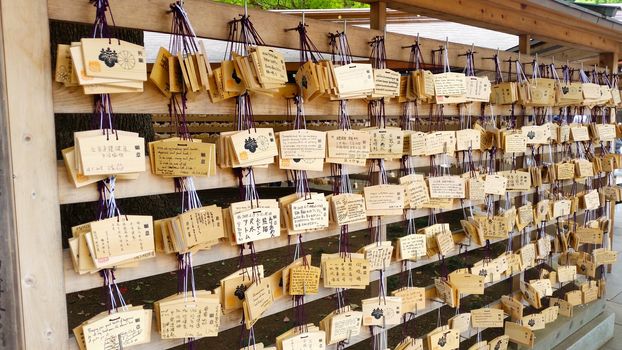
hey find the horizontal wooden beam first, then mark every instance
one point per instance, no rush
(355, 15)
(209, 20)
(517, 17)
(151, 101)
(150, 184)
(232, 320)
(163, 263)
(566, 14)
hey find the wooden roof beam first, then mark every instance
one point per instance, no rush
(355, 15)
(520, 17)
(378, 15)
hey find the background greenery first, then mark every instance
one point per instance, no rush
(599, 1)
(298, 4)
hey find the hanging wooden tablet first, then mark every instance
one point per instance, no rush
(519, 334)
(127, 326)
(381, 311)
(443, 339)
(512, 307)
(113, 58)
(349, 272)
(179, 317)
(447, 187)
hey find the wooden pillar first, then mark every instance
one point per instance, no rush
(524, 44)
(378, 15)
(34, 226)
(609, 60)
(11, 331)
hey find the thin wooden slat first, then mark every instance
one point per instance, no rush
(163, 263)
(232, 320)
(149, 184)
(166, 263)
(27, 96)
(151, 100)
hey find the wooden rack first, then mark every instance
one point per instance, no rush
(40, 185)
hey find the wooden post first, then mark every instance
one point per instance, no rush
(28, 111)
(11, 335)
(378, 15)
(609, 60)
(612, 222)
(524, 44)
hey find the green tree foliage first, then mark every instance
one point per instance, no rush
(297, 4)
(597, 2)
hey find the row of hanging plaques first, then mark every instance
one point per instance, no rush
(112, 66)
(115, 66)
